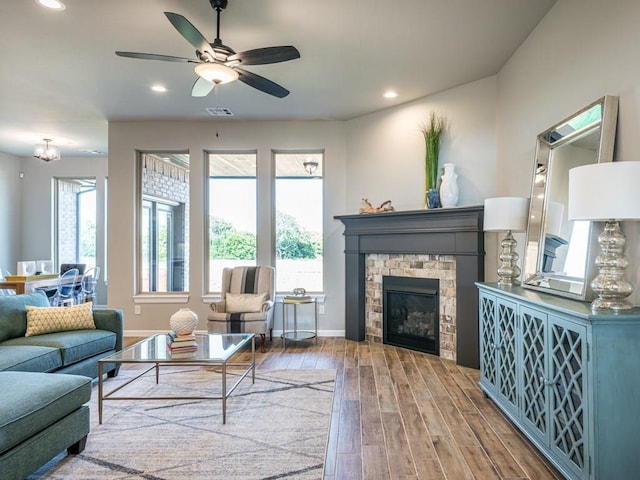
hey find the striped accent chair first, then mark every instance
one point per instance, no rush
(245, 288)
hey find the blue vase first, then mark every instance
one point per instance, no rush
(433, 198)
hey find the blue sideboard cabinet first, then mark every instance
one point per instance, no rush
(568, 378)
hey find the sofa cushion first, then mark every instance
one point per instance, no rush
(244, 302)
(42, 320)
(29, 358)
(74, 346)
(13, 315)
(33, 401)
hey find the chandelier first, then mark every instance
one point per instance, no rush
(46, 152)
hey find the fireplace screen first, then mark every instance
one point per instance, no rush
(411, 313)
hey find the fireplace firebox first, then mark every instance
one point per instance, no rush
(411, 313)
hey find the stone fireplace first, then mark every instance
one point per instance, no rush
(411, 313)
(411, 273)
(445, 244)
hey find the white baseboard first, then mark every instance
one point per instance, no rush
(148, 333)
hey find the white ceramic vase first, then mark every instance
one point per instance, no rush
(183, 322)
(449, 189)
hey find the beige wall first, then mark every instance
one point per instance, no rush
(196, 137)
(386, 149)
(10, 212)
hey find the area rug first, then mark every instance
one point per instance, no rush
(276, 428)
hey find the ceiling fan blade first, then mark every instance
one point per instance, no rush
(189, 32)
(153, 56)
(201, 88)
(261, 83)
(263, 56)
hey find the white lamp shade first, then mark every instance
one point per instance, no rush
(216, 72)
(26, 268)
(506, 213)
(44, 266)
(605, 191)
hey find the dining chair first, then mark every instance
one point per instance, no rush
(5, 291)
(65, 289)
(87, 290)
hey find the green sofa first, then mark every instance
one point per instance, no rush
(43, 410)
(76, 351)
(41, 415)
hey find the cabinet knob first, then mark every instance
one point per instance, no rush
(546, 382)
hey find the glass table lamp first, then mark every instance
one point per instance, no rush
(507, 214)
(607, 192)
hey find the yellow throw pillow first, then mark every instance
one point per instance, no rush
(41, 320)
(244, 302)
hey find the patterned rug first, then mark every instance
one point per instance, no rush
(276, 429)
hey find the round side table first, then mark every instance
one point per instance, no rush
(294, 334)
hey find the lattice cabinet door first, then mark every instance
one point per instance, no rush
(488, 359)
(507, 368)
(534, 373)
(568, 427)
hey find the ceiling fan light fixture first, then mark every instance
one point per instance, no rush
(46, 152)
(216, 73)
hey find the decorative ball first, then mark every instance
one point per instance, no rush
(183, 322)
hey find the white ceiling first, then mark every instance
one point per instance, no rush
(61, 79)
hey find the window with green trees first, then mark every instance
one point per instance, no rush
(232, 212)
(299, 208)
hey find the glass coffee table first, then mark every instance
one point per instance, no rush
(213, 350)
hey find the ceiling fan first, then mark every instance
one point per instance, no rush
(217, 63)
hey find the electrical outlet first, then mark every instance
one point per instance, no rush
(321, 309)
(137, 309)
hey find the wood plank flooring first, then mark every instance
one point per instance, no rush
(400, 415)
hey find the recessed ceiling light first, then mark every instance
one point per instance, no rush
(52, 4)
(159, 88)
(390, 94)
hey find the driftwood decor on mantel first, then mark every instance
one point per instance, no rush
(384, 207)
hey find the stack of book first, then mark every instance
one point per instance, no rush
(181, 345)
(297, 298)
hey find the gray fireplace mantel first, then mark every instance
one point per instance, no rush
(445, 231)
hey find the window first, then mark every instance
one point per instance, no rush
(164, 223)
(232, 211)
(75, 221)
(299, 204)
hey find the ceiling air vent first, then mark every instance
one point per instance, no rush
(219, 112)
(92, 151)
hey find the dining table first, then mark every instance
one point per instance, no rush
(27, 284)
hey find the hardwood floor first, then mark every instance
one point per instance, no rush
(399, 414)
